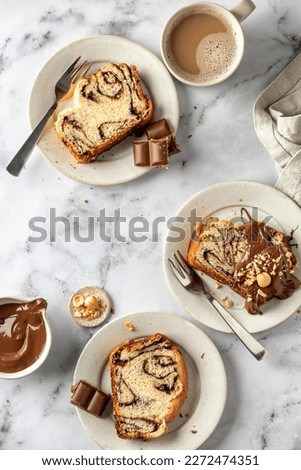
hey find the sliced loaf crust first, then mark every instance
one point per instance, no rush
(108, 106)
(149, 386)
(253, 259)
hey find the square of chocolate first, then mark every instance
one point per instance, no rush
(158, 129)
(141, 153)
(158, 152)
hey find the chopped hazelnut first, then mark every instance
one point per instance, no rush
(261, 293)
(88, 307)
(129, 325)
(91, 302)
(263, 279)
(78, 300)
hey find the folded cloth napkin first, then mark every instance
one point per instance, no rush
(277, 120)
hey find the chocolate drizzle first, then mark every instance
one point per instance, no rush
(252, 258)
(268, 251)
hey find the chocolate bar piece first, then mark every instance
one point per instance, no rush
(158, 129)
(161, 144)
(141, 153)
(89, 398)
(158, 152)
(173, 146)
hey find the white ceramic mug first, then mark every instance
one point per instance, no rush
(231, 18)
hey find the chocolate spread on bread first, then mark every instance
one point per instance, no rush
(252, 258)
(22, 334)
(268, 265)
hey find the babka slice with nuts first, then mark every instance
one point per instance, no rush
(252, 258)
(149, 385)
(108, 106)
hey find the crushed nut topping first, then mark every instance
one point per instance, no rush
(88, 307)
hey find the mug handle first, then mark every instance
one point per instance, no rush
(243, 9)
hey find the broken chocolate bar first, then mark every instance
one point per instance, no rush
(158, 152)
(158, 129)
(173, 146)
(141, 153)
(89, 398)
(161, 144)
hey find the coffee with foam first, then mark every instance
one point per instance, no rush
(202, 45)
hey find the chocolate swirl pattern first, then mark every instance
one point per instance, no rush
(149, 382)
(252, 258)
(108, 106)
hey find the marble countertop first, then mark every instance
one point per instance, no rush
(218, 141)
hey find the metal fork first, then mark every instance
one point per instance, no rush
(71, 74)
(192, 282)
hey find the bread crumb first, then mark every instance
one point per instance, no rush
(194, 431)
(187, 415)
(86, 201)
(129, 325)
(202, 356)
(218, 285)
(224, 298)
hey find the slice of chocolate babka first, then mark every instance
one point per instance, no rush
(108, 106)
(149, 385)
(252, 258)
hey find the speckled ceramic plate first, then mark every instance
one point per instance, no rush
(104, 311)
(207, 384)
(115, 166)
(226, 200)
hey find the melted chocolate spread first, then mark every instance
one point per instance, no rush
(264, 255)
(22, 334)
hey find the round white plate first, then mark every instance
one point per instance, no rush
(226, 200)
(116, 165)
(207, 383)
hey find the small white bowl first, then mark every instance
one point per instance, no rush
(45, 352)
(87, 291)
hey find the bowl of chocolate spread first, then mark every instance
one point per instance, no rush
(25, 336)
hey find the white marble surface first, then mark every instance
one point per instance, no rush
(219, 143)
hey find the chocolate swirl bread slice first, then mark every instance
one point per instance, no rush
(253, 259)
(108, 106)
(149, 384)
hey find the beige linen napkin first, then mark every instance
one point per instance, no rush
(277, 120)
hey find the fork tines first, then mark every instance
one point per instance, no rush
(71, 67)
(75, 74)
(179, 266)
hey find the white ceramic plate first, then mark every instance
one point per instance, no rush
(207, 384)
(115, 166)
(226, 200)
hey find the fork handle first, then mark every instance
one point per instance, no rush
(255, 348)
(21, 157)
